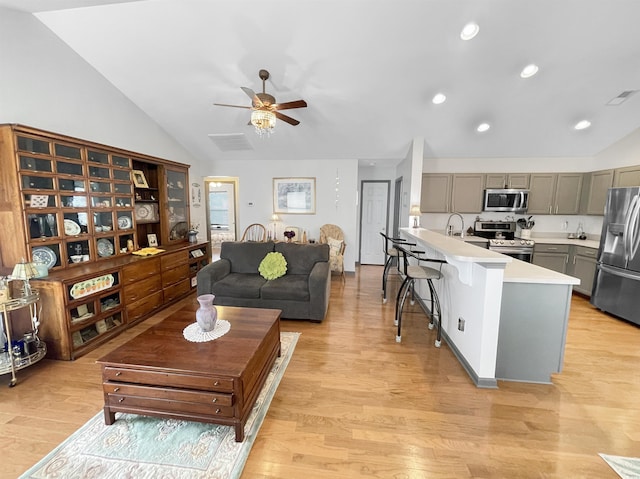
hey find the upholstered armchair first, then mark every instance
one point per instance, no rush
(334, 237)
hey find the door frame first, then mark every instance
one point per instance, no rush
(221, 179)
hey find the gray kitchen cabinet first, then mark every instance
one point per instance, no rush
(594, 191)
(466, 193)
(583, 266)
(436, 192)
(507, 180)
(555, 193)
(627, 176)
(552, 256)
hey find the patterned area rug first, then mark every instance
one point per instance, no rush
(625, 467)
(146, 447)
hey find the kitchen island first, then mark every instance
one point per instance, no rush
(514, 313)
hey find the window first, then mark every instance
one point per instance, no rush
(219, 208)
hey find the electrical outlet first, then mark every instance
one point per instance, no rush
(461, 322)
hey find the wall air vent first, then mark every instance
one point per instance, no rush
(231, 141)
(621, 98)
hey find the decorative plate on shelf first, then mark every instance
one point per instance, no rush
(179, 231)
(105, 247)
(71, 228)
(146, 212)
(124, 222)
(45, 255)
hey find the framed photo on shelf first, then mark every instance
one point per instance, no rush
(139, 179)
(152, 239)
(294, 196)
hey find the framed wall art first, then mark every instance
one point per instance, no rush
(294, 196)
(139, 179)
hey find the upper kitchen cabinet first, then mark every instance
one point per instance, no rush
(628, 176)
(507, 180)
(555, 193)
(594, 191)
(466, 193)
(436, 192)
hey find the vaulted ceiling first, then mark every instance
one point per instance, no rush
(368, 70)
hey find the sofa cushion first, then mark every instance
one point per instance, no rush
(245, 257)
(239, 285)
(293, 287)
(302, 257)
(273, 266)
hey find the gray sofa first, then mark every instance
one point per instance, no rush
(302, 293)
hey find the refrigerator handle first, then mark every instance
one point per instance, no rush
(634, 233)
(623, 273)
(626, 236)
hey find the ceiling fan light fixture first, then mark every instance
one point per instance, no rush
(264, 122)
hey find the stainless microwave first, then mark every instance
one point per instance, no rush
(510, 200)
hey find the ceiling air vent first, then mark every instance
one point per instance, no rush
(231, 141)
(621, 98)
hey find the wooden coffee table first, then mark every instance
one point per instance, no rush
(160, 373)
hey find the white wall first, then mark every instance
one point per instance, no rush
(336, 195)
(44, 84)
(625, 152)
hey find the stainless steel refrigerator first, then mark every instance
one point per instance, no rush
(616, 288)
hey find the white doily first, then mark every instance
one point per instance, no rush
(194, 334)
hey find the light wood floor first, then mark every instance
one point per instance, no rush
(355, 404)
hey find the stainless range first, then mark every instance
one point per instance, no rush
(502, 239)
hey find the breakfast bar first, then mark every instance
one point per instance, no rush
(503, 318)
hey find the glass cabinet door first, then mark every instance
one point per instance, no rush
(177, 208)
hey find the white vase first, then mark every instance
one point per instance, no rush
(206, 314)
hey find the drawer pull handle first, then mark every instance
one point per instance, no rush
(218, 411)
(217, 383)
(115, 390)
(214, 400)
(118, 373)
(121, 399)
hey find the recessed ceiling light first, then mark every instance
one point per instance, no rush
(529, 71)
(482, 127)
(439, 98)
(582, 124)
(469, 31)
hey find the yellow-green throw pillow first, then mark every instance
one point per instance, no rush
(273, 266)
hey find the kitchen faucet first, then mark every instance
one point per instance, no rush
(449, 228)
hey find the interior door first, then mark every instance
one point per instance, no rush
(374, 216)
(221, 201)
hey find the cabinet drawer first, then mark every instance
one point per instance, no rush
(177, 290)
(584, 251)
(174, 275)
(173, 260)
(155, 378)
(141, 270)
(141, 289)
(144, 306)
(551, 248)
(172, 394)
(167, 405)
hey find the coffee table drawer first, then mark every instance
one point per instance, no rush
(131, 403)
(187, 395)
(153, 378)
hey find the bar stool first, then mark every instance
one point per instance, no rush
(413, 273)
(390, 252)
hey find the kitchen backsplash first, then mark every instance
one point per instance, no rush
(556, 224)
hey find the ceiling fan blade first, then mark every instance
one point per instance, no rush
(233, 106)
(290, 104)
(257, 102)
(286, 118)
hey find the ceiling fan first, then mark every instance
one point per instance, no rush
(264, 106)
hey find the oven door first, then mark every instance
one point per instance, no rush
(525, 255)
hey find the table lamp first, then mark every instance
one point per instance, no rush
(275, 218)
(24, 271)
(415, 212)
